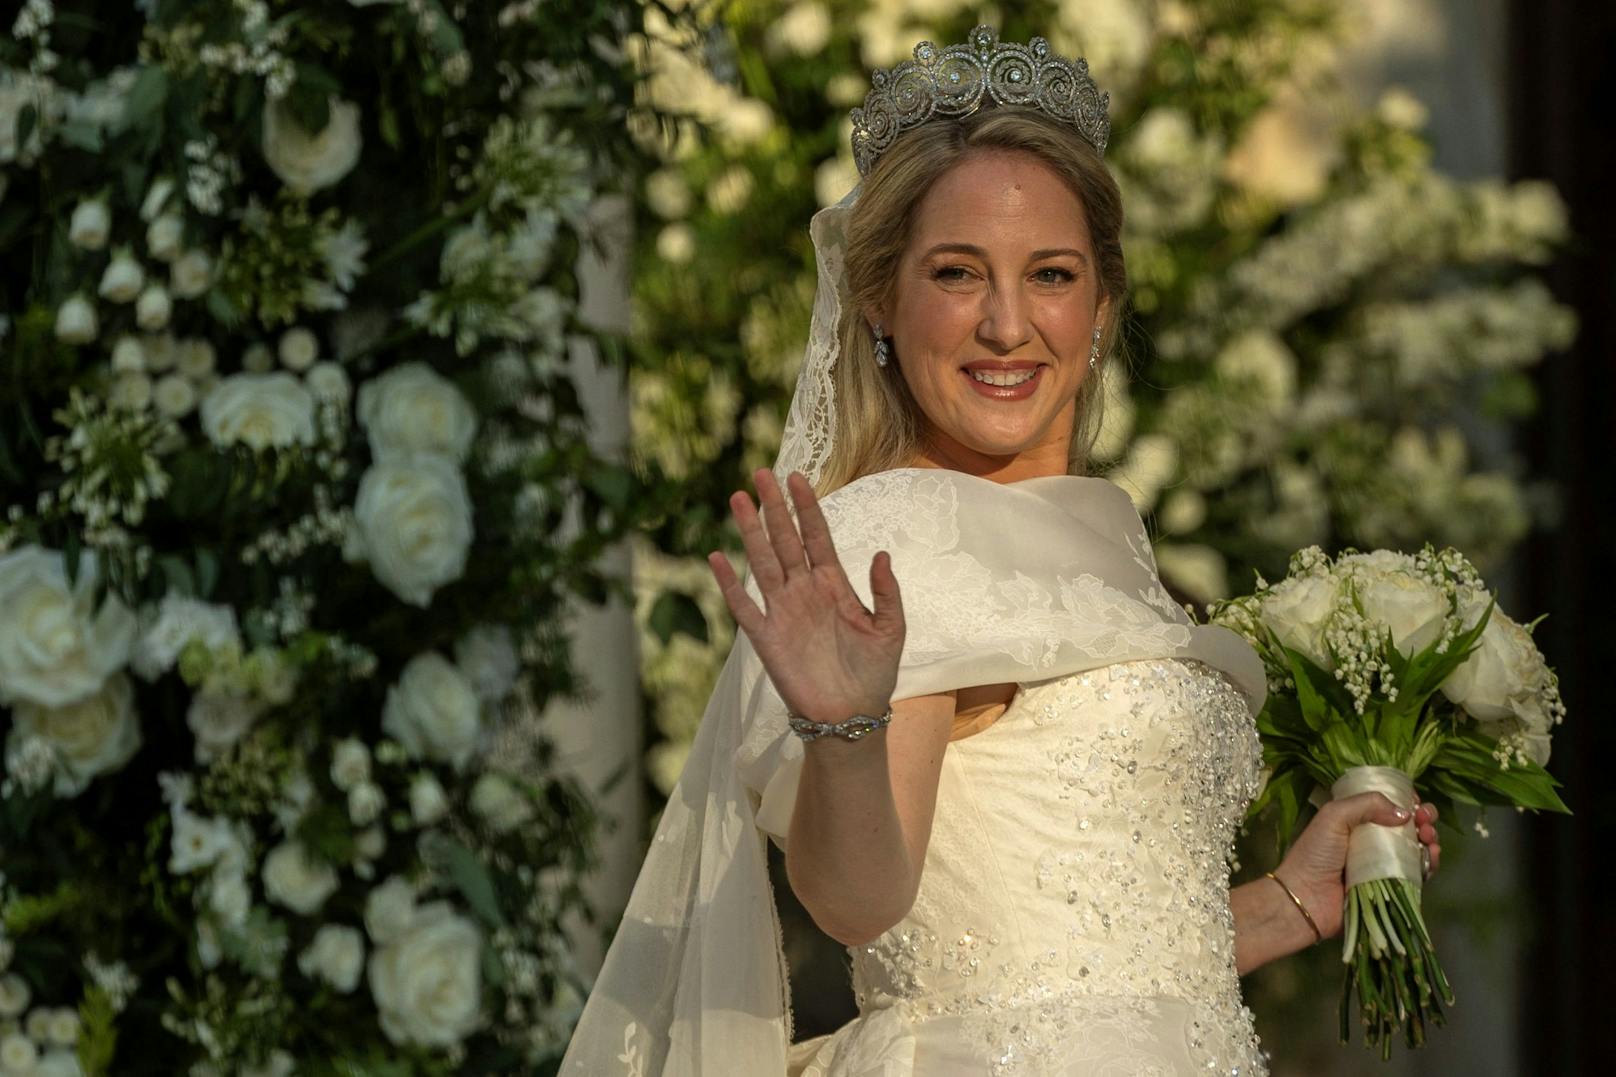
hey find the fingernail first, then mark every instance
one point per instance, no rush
(1402, 814)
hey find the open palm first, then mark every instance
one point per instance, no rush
(828, 656)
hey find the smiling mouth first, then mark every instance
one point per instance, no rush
(1004, 378)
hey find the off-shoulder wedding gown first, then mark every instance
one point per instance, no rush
(1073, 915)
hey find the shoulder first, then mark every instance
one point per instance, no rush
(893, 508)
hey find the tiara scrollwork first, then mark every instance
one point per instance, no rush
(957, 80)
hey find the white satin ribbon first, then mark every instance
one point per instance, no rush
(1375, 851)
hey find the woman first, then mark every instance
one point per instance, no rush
(1010, 783)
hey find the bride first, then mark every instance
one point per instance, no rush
(1005, 767)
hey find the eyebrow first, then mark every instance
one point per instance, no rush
(978, 252)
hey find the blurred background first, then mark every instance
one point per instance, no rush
(1371, 251)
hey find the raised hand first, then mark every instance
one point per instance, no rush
(828, 656)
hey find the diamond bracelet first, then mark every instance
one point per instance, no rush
(849, 729)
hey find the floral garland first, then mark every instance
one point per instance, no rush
(295, 491)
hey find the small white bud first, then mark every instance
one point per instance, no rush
(165, 238)
(191, 275)
(75, 321)
(153, 308)
(123, 278)
(174, 395)
(194, 357)
(299, 348)
(90, 225)
(156, 198)
(131, 392)
(258, 359)
(128, 355)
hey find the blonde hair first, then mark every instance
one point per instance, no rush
(878, 422)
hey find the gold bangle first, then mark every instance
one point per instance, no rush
(1317, 935)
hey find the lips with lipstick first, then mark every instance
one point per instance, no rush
(1004, 380)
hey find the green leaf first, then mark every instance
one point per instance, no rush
(675, 612)
(207, 571)
(98, 1033)
(147, 95)
(179, 575)
(471, 879)
(72, 550)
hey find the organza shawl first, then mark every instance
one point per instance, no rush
(1001, 583)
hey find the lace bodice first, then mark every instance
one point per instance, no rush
(1073, 914)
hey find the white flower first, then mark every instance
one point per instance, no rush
(803, 29)
(365, 803)
(487, 656)
(336, 956)
(15, 994)
(1399, 108)
(350, 763)
(258, 358)
(165, 237)
(1498, 684)
(153, 308)
(299, 348)
(411, 408)
(297, 880)
(75, 321)
(259, 410)
(1296, 610)
(389, 910)
(191, 274)
(413, 518)
(278, 1064)
(229, 897)
(428, 801)
(131, 392)
(128, 355)
(1392, 594)
(306, 162)
(200, 841)
(160, 352)
(218, 720)
(328, 381)
(54, 647)
(90, 225)
(676, 243)
(156, 199)
(370, 843)
(501, 803)
(195, 357)
(88, 737)
(427, 982)
(58, 1062)
(1150, 464)
(123, 278)
(18, 1054)
(432, 711)
(174, 395)
(166, 629)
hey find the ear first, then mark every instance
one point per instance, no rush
(1103, 315)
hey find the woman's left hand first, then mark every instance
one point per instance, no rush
(1315, 866)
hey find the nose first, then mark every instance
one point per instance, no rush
(1006, 324)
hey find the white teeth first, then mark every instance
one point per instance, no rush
(1003, 380)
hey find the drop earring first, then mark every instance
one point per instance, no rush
(881, 352)
(1094, 349)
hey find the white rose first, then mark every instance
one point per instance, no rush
(370, 844)
(501, 803)
(18, 1054)
(199, 841)
(191, 274)
(428, 801)
(218, 720)
(432, 711)
(1501, 679)
(165, 237)
(1413, 608)
(411, 408)
(487, 656)
(389, 910)
(297, 880)
(328, 381)
(75, 321)
(414, 525)
(90, 225)
(54, 647)
(89, 737)
(229, 897)
(156, 198)
(336, 956)
(128, 355)
(195, 358)
(365, 803)
(427, 983)
(63, 1028)
(131, 392)
(167, 628)
(123, 279)
(299, 348)
(306, 162)
(15, 994)
(259, 410)
(153, 308)
(350, 763)
(174, 395)
(1296, 609)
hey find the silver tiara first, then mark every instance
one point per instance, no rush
(954, 81)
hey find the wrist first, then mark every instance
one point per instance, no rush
(1295, 909)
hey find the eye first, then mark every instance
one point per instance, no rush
(1061, 276)
(949, 273)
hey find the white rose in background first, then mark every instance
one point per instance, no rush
(259, 410)
(337, 956)
(1391, 593)
(298, 349)
(498, 800)
(200, 841)
(89, 737)
(169, 626)
(350, 763)
(295, 879)
(427, 982)
(413, 518)
(433, 712)
(1296, 609)
(218, 720)
(389, 910)
(428, 801)
(411, 408)
(328, 381)
(54, 648)
(306, 162)
(487, 656)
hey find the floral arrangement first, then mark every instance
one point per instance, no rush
(294, 491)
(1317, 315)
(1389, 671)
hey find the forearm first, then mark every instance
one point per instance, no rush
(1267, 924)
(846, 855)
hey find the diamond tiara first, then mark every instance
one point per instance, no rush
(955, 80)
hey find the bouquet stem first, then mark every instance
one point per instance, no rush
(1391, 965)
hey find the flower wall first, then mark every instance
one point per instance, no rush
(294, 488)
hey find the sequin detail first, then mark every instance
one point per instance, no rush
(1078, 875)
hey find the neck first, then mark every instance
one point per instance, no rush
(1036, 462)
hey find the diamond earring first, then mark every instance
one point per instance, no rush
(880, 346)
(1094, 350)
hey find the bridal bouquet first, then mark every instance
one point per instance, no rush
(1388, 670)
